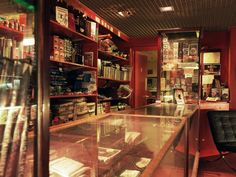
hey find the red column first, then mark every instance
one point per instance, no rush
(232, 68)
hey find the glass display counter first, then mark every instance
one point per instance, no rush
(164, 109)
(120, 145)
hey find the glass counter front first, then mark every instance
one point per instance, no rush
(115, 145)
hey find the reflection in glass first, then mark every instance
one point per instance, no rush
(17, 65)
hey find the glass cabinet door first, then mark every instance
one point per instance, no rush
(18, 83)
(180, 67)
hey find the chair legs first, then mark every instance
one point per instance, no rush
(218, 158)
(226, 162)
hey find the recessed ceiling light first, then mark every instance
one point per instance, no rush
(166, 9)
(126, 13)
(121, 13)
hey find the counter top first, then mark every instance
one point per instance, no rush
(164, 109)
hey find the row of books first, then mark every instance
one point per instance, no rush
(69, 110)
(114, 71)
(73, 82)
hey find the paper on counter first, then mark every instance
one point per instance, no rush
(130, 173)
(143, 162)
(67, 167)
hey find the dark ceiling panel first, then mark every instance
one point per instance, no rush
(147, 20)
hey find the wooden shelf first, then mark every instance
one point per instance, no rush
(113, 80)
(74, 65)
(11, 32)
(152, 90)
(72, 96)
(113, 57)
(111, 99)
(69, 124)
(58, 29)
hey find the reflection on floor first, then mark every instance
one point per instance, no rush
(217, 168)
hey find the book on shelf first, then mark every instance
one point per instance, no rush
(225, 94)
(88, 58)
(91, 30)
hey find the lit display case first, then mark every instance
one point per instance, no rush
(180, 66)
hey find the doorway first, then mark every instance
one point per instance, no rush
(146, 80)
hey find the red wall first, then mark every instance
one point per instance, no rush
(139, 44)
(218, 40)
(232, 68)
(144, 43)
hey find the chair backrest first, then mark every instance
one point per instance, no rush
(223, 127)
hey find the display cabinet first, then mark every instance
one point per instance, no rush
(180, 67)
(114, 145)
(136, 144)
(73, 59)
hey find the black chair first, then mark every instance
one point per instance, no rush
(223, 129)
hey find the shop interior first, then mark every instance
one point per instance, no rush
(117, 88)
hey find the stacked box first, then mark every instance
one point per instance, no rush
(80, 108)
(62, 112)
(62, 49)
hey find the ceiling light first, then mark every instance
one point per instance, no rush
(166, 9)
(198, 34)
(126, 13)
(121, 13)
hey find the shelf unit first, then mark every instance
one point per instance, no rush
(113, 68)
(89, 45)
(74, 65)
(110, 99)
(113, 80)
(113, 57)
(212, 88)
(73, 96)
(60, 30)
